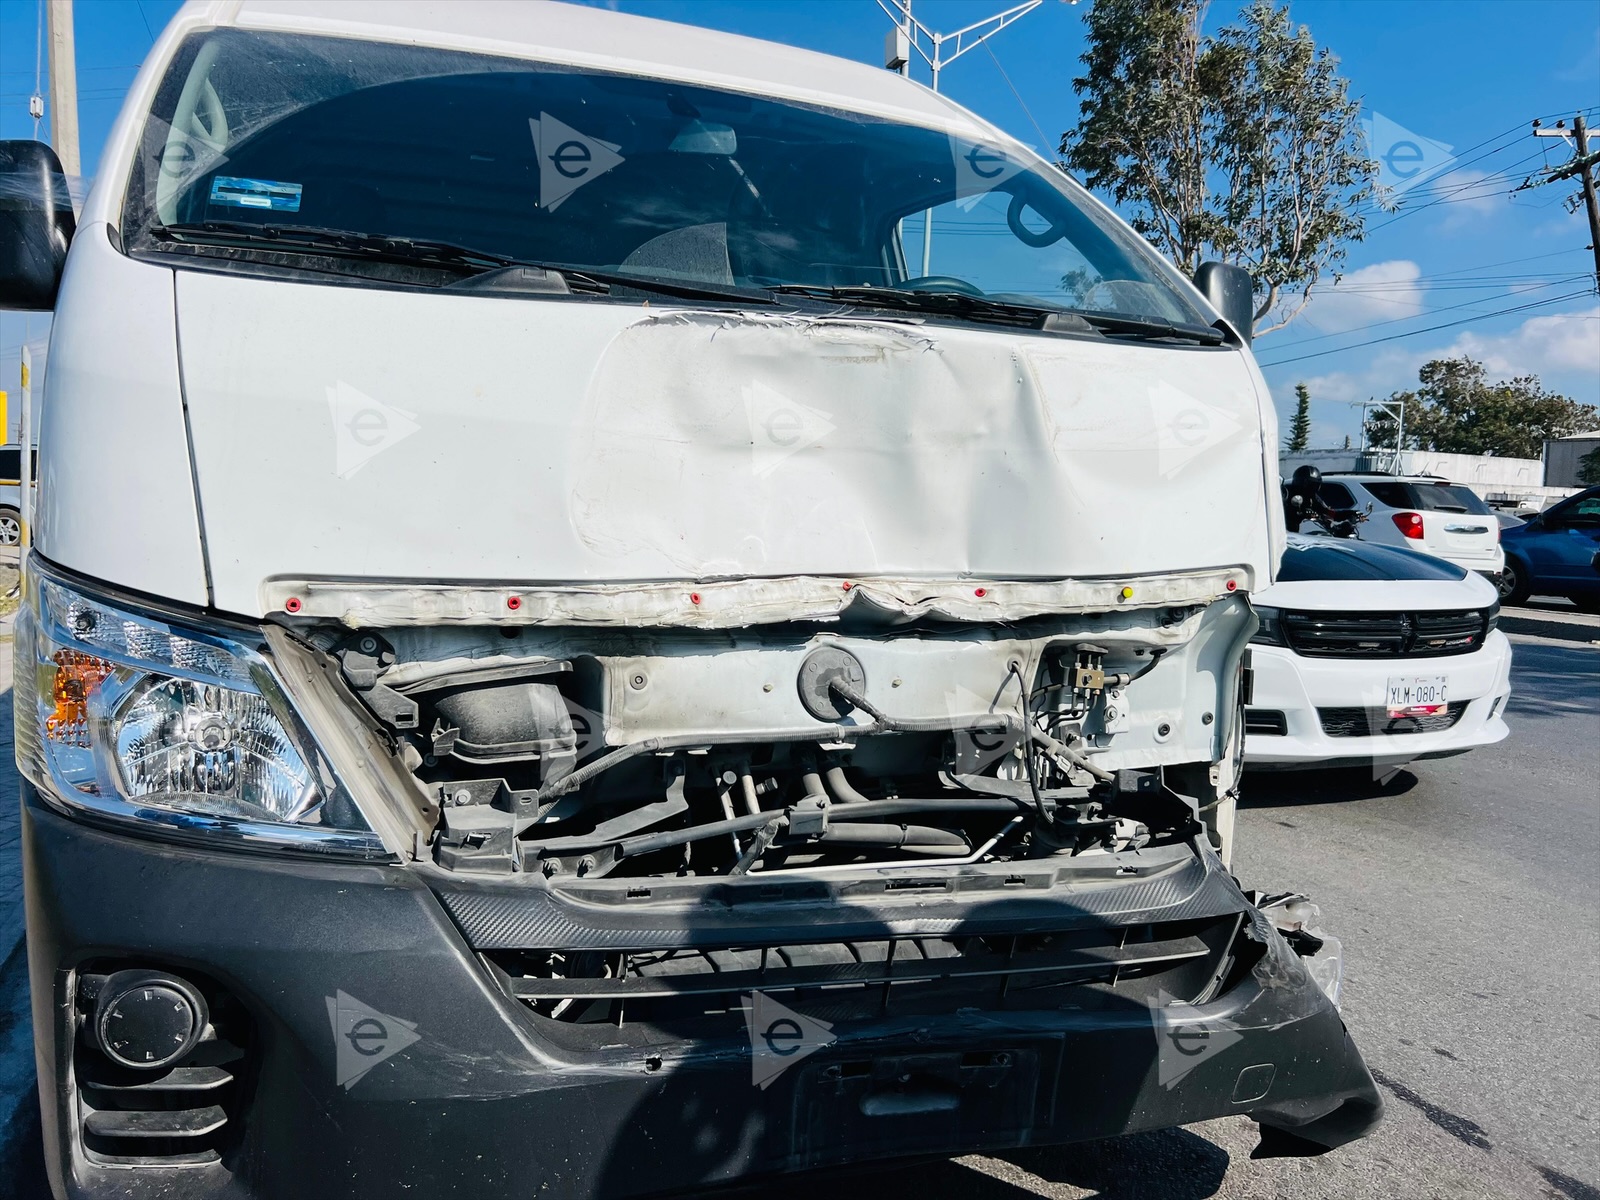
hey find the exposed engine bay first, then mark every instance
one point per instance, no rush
(805, 746)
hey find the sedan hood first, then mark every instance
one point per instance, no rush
(374, 435)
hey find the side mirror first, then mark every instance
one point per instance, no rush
(1231, 292)
(36, 224)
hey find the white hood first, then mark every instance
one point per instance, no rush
(356, 433)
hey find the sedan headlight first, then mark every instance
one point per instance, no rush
(137, 715)
(1271, 631)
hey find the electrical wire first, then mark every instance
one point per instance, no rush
(1044, 142)
(1278, 362)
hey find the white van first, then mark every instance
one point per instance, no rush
(566, 652)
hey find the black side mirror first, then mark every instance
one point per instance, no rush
(1232, 293)
(36, 224)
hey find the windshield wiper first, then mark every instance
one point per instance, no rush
(1005, 312)
(477, 267)
(950, 303)
(319, 239)
(1152, 329)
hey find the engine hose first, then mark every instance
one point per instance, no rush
(842, 791)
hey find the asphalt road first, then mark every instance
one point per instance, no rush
(1464, 891)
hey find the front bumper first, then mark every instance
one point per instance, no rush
(480, 1098)
(1299, 687)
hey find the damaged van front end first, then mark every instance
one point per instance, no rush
(691, 698)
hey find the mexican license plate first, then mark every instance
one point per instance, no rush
(1417, 695)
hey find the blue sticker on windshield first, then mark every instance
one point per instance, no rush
(255, 193)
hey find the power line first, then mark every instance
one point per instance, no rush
(1424, 313)
(1429, 329)
(1044, 141)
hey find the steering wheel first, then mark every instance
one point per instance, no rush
(1045, 237)
(941, 283)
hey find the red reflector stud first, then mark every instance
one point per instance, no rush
(694, 597)
(1233, 585)
(980, 593)
(292, 604)
(1409, 523)
(513, 602)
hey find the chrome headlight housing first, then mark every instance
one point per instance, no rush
(136, 715)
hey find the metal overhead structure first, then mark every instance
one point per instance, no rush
(910, 34)
(1382, 458)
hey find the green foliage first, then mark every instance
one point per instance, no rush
(1243, 146)
(1300, 428)
(1456, 410)
(1589, 467)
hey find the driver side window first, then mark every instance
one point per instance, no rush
(1585, 514)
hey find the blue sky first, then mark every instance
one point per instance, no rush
(1468, 74)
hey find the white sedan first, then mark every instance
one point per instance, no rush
(1373, 655)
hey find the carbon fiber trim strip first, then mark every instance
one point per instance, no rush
(534, 917)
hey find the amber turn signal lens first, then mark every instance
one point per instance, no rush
(77, 676)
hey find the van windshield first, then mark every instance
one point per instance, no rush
(540, 163)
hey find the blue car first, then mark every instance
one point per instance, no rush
(1557, 553)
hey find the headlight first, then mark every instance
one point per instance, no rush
(1271, 631)
(131, 714)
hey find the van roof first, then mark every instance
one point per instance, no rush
(590, 37)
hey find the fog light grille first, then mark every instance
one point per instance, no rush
(181, 1113)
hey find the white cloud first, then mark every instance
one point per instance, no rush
(1544, 346)
(1381, 292)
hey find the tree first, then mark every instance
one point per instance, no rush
(1300, 428)
(1456, 410)
(1244, 146)
(1589, 467)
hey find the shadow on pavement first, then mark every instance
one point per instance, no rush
(1552, 681)
(1170, 1164)
(1173, 1164)
(1329, 785)
(21, 1149)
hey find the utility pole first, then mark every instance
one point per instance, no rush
(1585, 164)
(1582, 165)
(905, 35)
(64, 88)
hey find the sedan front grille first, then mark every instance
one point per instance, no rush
(1386, 634)
(1371, 722)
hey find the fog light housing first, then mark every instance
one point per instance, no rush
(148, 1020)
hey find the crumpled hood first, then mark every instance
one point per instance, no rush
(362, 434)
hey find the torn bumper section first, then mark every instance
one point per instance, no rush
(391, 1029)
